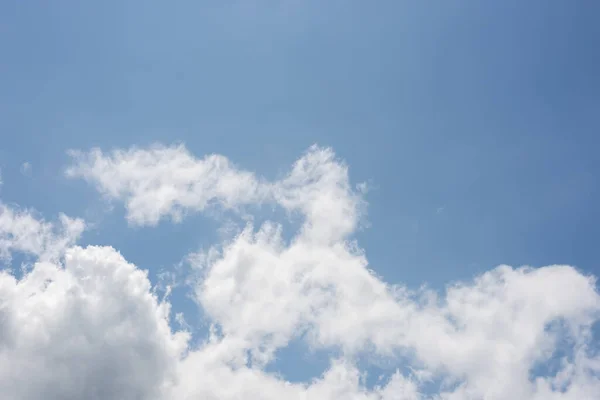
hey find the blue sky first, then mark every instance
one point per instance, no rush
(475, 124)
(488, 111)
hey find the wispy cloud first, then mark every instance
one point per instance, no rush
(26, 168)
(22, 231)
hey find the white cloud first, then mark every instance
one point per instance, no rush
(487, 335)
(165, 181)
(88, 329)
(169, 182)
(21, 231)
(92, 328)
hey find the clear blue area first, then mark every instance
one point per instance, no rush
(475, 123)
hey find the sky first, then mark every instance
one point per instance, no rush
(302, 199)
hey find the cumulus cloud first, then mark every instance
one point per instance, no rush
(88, 325)
(86, 329)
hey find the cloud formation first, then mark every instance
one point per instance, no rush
(22, 231)
(85, 323)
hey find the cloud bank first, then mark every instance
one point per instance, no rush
(85, 323)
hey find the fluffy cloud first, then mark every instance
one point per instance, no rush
(165, 181)
(87, 325)
(88, 328)
(169, 182)
(21, 231)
